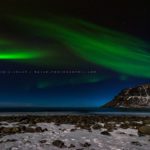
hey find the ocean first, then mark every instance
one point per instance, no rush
(46, 111)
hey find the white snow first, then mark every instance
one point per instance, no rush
(117, 140)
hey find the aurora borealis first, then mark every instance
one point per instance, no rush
(18, 55)
(107, 48)
(50, 38)
(110, 49)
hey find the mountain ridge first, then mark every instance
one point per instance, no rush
(136, 97)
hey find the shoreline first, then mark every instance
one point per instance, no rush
(67, 116)
(74, 113)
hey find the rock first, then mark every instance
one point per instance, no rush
(96, 127)
(43, 130)
(71, 146)
(27, 142)
(83, 125)
(136, 143)
(22, 128)
(24, 121)
(146, 122)
(72, 130)
(15, 129)
(32, 122)
(6, 130)
(135, 124)
(12, 130)
(9, 130)
(105, 133)
(43, 141)
(124, 126)
(59, 144)
(109, 127)
(11, 140)
(86, 144)
(144, 130)
(38, 129)
(30, 130)
(131, 135)
(121, 133)
(57, 124)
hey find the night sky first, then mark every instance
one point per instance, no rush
(70, 53)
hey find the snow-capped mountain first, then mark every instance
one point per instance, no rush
(137, 97)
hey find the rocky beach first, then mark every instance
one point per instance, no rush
(74, 132)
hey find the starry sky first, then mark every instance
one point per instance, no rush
(75, 53)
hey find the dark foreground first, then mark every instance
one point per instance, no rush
(74, 132)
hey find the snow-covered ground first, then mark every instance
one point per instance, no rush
(73, 138)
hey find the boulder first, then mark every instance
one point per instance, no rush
(59, 144)
(105, 133)
(144, 130)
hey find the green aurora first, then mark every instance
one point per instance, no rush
(70, 80)
(10, 50)
(19, 55)
(116, 51)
